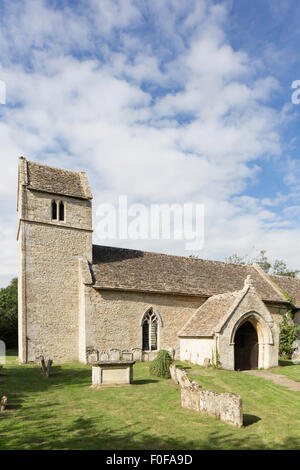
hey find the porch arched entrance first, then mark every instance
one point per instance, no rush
(246, 347)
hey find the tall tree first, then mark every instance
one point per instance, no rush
(9, 314)
(279, 267)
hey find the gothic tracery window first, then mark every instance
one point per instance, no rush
(150, 331)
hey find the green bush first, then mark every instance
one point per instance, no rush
(9, 314)
(288, 334)
(160, 367)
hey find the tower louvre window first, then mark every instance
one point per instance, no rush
(61, 211)
(54, 210)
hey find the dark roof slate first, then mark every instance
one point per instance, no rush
(206, 318)
(290, 285)
(120, 268)
(54, 180)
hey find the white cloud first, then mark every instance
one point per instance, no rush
(185, 118)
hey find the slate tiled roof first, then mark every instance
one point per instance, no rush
(290, 285)
(118, 268)
(204, 320)
(57, 181)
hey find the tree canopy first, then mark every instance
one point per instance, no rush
(278, 267)
(9, 314)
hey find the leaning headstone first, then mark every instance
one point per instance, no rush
(182, 378)
(3, 403)
(49, 365)
(190, 398)
(43, 364)
(173, 373)
(231, 409)
(210, 403)
(171, 352)
(296, 353)
(206, 362)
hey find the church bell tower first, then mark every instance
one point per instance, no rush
(54, 231)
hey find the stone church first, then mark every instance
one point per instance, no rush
(85, 302)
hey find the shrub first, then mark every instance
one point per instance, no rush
(160, 367)
(288, 334)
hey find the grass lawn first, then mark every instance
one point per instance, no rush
(63, 413)
(292, 371)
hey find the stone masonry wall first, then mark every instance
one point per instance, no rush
(50, 289)
(227, 407)
(115, 318)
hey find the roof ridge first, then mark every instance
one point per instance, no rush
(173, 256)
(285, 277)
(266, 277)
(52, 167)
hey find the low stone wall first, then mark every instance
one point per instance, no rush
(225, 406)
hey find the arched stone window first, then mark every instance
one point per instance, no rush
(61, 211)
(150, 323)
(54, 210)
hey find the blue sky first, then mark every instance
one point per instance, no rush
(162, 101)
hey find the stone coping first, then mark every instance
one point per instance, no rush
(112, 363)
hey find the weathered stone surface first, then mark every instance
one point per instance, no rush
(182, 378)
(127, 356)
(231, 409)
(3, 403)
(210, 403)
(93, 357)
(296, 353)
(112, 372)
(190, 398)
(115, 354)
(206, 362)
(104, 356)
(173, 372)
(137, 354)
(226, 406)
(171, 352)
(96, 375)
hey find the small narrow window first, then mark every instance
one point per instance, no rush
(54, 210)
(61, 211)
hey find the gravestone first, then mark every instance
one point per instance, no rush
(137, 354)
(296, 353)
(206, 362)
(114, 354)
(127, 356)
(104, 356)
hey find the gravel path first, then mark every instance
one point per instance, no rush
(276, 378)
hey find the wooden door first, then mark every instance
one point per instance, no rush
(246, 347)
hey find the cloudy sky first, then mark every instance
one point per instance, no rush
(165, 101)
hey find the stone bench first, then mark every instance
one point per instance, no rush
(112, 372)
